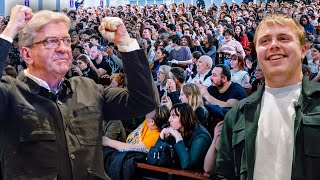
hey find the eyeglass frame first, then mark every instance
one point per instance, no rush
(45, 41)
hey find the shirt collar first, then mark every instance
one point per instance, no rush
(41, 82)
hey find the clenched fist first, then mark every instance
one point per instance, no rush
(113, 29)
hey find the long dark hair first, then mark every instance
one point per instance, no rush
(188, 119)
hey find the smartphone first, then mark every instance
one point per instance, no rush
(102, 48)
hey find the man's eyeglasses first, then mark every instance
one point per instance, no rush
(54, 42)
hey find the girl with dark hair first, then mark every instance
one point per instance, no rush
(241, 36)
(192, 140)
(187, 41)
(305, 22)
(159, 60)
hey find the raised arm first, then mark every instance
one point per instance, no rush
(19, 17)
(138, 99)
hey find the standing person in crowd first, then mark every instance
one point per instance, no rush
(188, 135)
(53, 130)
(274, 133)
(145, 135)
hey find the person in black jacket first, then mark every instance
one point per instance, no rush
(54, 127)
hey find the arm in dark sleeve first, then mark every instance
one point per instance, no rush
(4, 50)
(212, 53)
(195, 155)
(174, 96)
(201, 50)
(138, 99)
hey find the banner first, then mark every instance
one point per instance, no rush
(101, 3)
(26, 3)
(71, 3)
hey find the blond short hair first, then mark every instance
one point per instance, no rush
(38, 21)
(283, 20)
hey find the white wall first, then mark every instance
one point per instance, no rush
(10, 3)
(49, 5)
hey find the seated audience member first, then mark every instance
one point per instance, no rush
(179, 55)
(145, 135)
(162, 77)
(83, 68)
(118, 80)
(190, 94)
(223, 94)
(213, 149)
(192, 140)
(176, 79)
(314, 63)
(238, 74)
(209, 46)
(204, 65)
(159, 60)
(228, 47)
(257, 83)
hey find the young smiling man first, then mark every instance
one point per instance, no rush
(274, 133)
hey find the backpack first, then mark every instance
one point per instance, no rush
(161, 154)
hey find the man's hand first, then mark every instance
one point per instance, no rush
(20, 16)
(113, 29)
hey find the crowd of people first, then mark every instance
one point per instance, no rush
(202, 62)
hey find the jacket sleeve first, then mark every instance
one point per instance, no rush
(138, 99)
(224, 164)
(4, 50)
(195, 155)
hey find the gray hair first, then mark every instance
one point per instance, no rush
(207, 59)
(38, 21)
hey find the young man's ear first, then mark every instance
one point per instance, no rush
(25, 54)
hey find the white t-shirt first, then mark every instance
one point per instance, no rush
(275, 136)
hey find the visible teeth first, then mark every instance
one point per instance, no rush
(276, 57)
